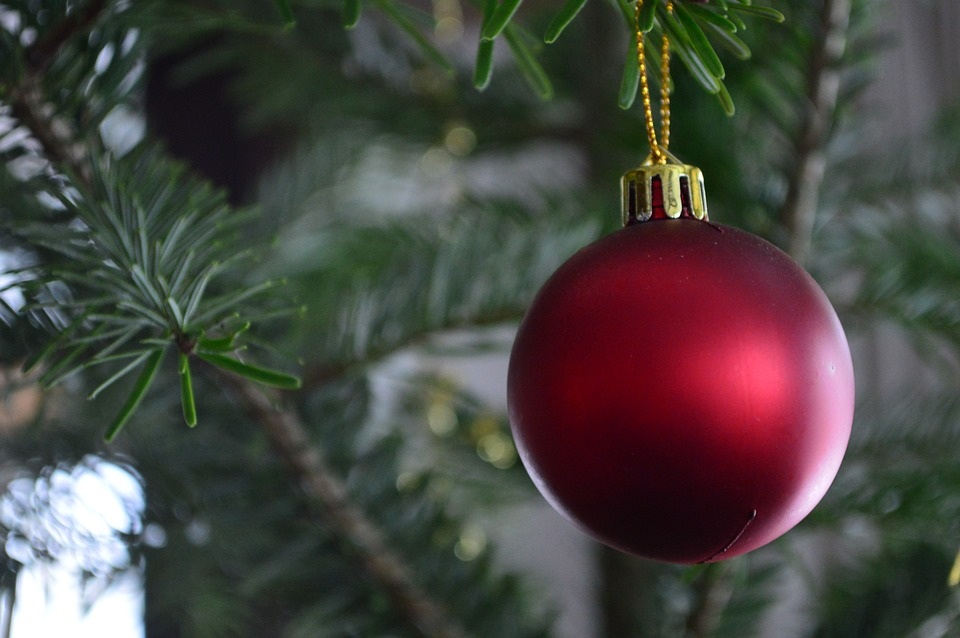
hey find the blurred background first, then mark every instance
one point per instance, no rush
(412, 218)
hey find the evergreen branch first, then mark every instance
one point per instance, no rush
(472, 272)
(306, 465)
(691, 28)
(133, 236)
(823, 85)
(284, 430)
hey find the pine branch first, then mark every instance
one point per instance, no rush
(823, 86)
(305, 463)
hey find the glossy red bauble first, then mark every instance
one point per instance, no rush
(682, 391)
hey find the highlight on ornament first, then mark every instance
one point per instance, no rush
(680, 390)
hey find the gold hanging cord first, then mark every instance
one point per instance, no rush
(658, 150)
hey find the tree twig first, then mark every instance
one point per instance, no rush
(823, 87)
(305, 463)
(713, 590)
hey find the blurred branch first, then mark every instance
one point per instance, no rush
(55, 135)
(324, 372)
(823, 85)
(713, 591)
(323, 488)
(26, 98)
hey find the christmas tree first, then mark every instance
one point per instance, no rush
(262, 264)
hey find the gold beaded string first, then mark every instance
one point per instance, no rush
(657, 149)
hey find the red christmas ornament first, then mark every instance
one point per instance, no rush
(681, 390)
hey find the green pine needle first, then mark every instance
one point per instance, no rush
(265, 376)
(730, 42)
(483, 69)
(648, 13)
(139, 359)
(563, 18)
(699, 43)
(351, 13)
(140, 387)
(396, 13)
(500, 19)
(767, 13)
(226, 343)
(187, 400)
(630, 81)
(531, 69)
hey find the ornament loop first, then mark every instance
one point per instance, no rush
(663, 191)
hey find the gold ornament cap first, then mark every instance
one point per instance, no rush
(669, 190)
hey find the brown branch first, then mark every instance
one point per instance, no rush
(823, 87)
(305, 463)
